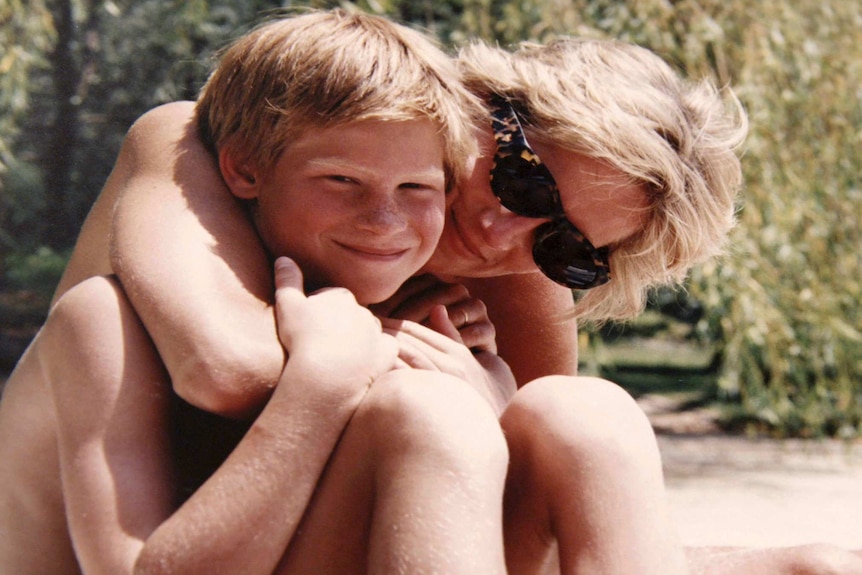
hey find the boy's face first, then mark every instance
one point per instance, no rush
(358, 205)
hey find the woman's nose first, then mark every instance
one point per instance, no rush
(505, 230)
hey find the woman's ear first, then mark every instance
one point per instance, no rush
(239, 175)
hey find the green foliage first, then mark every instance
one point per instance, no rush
(786, 303)
(26, 32)
(37, 272)
(22, 197)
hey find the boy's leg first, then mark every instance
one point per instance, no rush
(415, 486)
(585, 474)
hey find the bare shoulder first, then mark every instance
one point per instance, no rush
(166, 117)
(163, 132)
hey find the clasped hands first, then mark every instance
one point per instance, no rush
(427, 325)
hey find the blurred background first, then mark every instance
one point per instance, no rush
(771, 334)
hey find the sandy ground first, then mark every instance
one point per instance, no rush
(731, 490)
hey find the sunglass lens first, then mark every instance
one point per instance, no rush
(565, 258)
(525, 188)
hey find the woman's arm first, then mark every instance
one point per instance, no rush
(531, 319)
(537, 333)
(194, 268)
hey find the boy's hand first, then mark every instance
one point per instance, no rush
(425, 348)
(329, 330)
(417, 299)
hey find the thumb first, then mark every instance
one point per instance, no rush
(288, 295)
(287, 273)
(288, 281)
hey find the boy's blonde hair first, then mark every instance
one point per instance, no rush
(624, 105)
(327, 68)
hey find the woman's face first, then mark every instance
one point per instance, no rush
(481, 238)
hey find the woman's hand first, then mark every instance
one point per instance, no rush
(440, 350)
(417, 299)
(330, 331)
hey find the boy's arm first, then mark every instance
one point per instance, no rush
(194, 268)
(115, 461)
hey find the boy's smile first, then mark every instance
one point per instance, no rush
(358, 206)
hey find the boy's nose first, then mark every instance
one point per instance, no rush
(382, 215)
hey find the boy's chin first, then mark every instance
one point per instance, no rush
(371, 297)
(365, 294)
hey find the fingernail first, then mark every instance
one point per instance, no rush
(282, 262)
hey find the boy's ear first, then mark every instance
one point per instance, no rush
(239, 175)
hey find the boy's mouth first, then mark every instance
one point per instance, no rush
(375, 252)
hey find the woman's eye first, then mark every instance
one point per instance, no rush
(422, 187)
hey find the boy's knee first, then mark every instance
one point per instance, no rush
(84, 307)
(414, 412)
(823, 559)
(90, 298)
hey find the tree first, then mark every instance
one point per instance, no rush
(26, 33)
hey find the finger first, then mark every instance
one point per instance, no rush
(400, 364)
(480, 336)
(390, 350)
(440, 321)
(428, 339)
(411, 354)
(408, 290)
(418, 308)
(466, 311)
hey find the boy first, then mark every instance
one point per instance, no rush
(341, 153)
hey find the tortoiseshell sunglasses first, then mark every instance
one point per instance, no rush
(524, 186)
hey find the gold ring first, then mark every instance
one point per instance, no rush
(466, 317)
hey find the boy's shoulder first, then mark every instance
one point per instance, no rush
(165, 124)
(172, 112)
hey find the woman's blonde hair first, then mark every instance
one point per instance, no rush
(326, 68)
(625, 105)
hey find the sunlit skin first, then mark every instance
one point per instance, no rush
(198, 291)
(483, 239)
(362, 214)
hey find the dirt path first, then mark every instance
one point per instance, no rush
(730, 490)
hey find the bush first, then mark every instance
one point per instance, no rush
(37, 273)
